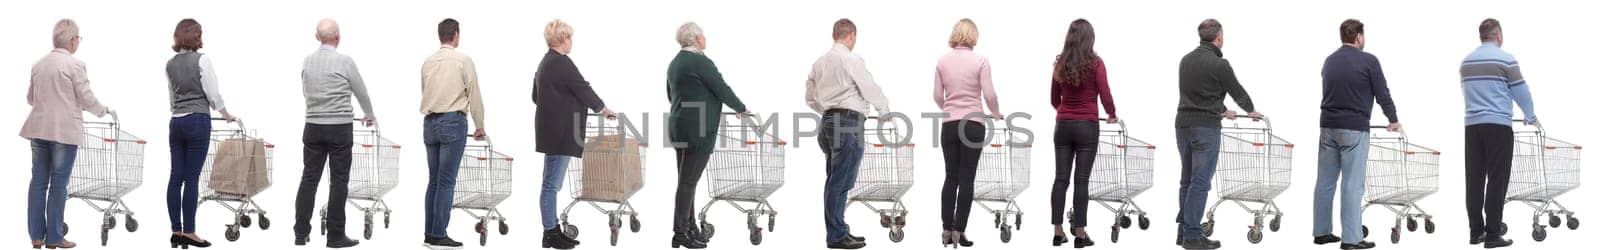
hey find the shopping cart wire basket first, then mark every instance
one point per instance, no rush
(374, 171)
(885, 174)
(610, 172)
(483, 182)
(1002, 175)
(1542, 169)
(1123, 169)
(242, 205)
(747, 166)
(1399, 174)
(110, 164)
(1253, 167)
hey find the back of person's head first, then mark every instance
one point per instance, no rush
(556, 33)
(327, 31)
(448, 29)
(65, 31)
(1077, 60)
(1489, 30)
(1350, 30)
(688, 33)
(187, 36)
(843, 28)
(965, 34)
(1210, 29)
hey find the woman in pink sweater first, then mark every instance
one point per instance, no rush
(961, 83)
(1079, 78)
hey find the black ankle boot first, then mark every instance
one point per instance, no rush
(553, 238)
(683, 239)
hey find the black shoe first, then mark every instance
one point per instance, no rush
(341, 242)
(1058, 240)
(553, 238)
(963, 242)
(1476, 239)
(196, 243)
(857, 238)
(1201, 244)
(1082, 243)
(177, 241)
(1325, 239)
(1359, 245)
(1496, 243)
(442, 242)
(683, 239)
(301, 240)
(846, 243)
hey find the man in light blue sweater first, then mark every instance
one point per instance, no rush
(329, 80)
(1491, 81)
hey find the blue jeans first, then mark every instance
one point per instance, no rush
(840, 139)
(1197, 150)
(446, 137)
(1340, 152)
(47, 191)
(188, 138)
(555, 169)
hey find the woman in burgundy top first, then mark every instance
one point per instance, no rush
(1079, 78)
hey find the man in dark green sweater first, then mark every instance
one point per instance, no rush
(1205, 79)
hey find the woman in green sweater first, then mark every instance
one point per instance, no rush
(697, 93)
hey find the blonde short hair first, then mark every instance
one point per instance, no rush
(65, 31)
(965, 34)
(557, 32)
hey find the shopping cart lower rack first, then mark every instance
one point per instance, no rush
(1398, 175)
(1123, 169)
(610, 172)
(885, 175)
(242, 204)
(483, 182)
(1002, 175)
(1254, 166)
(110, 164)
(747, 166)
(1542, 169)
(374, 171)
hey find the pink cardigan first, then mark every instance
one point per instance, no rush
(958, 82)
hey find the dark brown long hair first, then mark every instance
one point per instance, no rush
(1076, 62)
(186, 36)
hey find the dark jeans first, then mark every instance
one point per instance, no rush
(1076, 141)
(188, 138)
(47, 190)
(962, 142)
(330, 145)
(1489, 150)
(840, 139)
(1197, 150)
(445, 135)
(690, 166)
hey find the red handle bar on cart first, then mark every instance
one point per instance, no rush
(1539, 131)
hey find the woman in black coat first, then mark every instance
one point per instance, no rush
(562, 102)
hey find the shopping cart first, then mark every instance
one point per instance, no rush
(1398, 175)
(885, 174)
(1002, 175)
(374, 171)
(614, 186)
(483, 182)
(1123, 169)
(1542, 169)
(747, 166)
(1253, 167)
(244, 204)
(110, 164)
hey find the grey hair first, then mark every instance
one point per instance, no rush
(327, 30)
(65, 31)
(688, 33)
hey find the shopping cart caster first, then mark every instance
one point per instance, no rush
(104, 236)
(707, 230)
(755, 238)
(1116, 233)
(1365, 232)
(570, 230)
(1019, 221)
(897, 234)
(1555, 222)
(1504, 229)
(1427, 226)
(65, 229)
(615, 230)
(1539, 234)
(108, 222)
(1277, 222)
(997, 220)
(1208, 227)
(244, 221)
(504, 229)
(772, 223)
(385, 219)
(633, 223)
(366, 232)
(1144, 223)
(1572, 222)
(132, 225)
(1124, 221)
(483, 233)
(1394, 236)
(1255, 236)
(231, 234)
(884, 220)
(324, 227)
(900, 220)
(1005, 233)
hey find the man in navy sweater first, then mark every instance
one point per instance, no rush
(1351, 80)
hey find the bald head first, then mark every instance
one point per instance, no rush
(328, 32)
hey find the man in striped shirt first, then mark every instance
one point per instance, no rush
(1490, 82)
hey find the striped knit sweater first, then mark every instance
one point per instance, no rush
(1491, 81)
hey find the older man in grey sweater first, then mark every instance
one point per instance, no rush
(329, 80)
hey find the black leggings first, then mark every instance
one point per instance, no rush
(960, 169)
(690, 166)
(1074, 139)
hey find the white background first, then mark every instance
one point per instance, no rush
(765, 50)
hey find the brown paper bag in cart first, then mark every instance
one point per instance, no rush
(240, 167)
(611, 168)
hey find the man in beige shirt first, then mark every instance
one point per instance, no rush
(449, 93)
(59, 93)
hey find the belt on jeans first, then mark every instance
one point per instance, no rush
(843, 112)
(451, 112)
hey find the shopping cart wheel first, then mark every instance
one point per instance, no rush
(1019, 221)
(232, 234)
(1572, 222)
(65, 229)
(132, 225)
(755, 237)
(324, 227)
(1124, 221)
(1504, 228)
(483, 239)
(1411, 224)
(1116, 234)
(1394, 236)
(772, 223)
(1208, 227)
(265, 223)
(366, 232)
(244, 221)
(1555, 222)
(1144, 223)
(570, 230)
(504, 229)
(633, 223)
(900, 220)
(1365, 232)
(1255, 236)
(1277, 222)
(108, 223)
(1005, 233)
(885, 220)
(707, 230)
(385, 219)
(614, 232)
(897, 234)
(1539, 234)
(104, 236)
(1427, 225)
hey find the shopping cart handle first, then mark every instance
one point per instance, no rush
(1121, 124)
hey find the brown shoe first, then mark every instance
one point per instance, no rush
(63, 245)
(37, 244)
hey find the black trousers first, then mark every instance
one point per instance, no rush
(330, 145)
(960, 170)
(690, 166)
(1489, 150)
(1076, 141)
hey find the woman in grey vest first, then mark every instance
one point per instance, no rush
(193, 91)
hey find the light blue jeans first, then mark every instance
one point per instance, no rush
(1341, 152)
(47, 191)
(555, 169)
